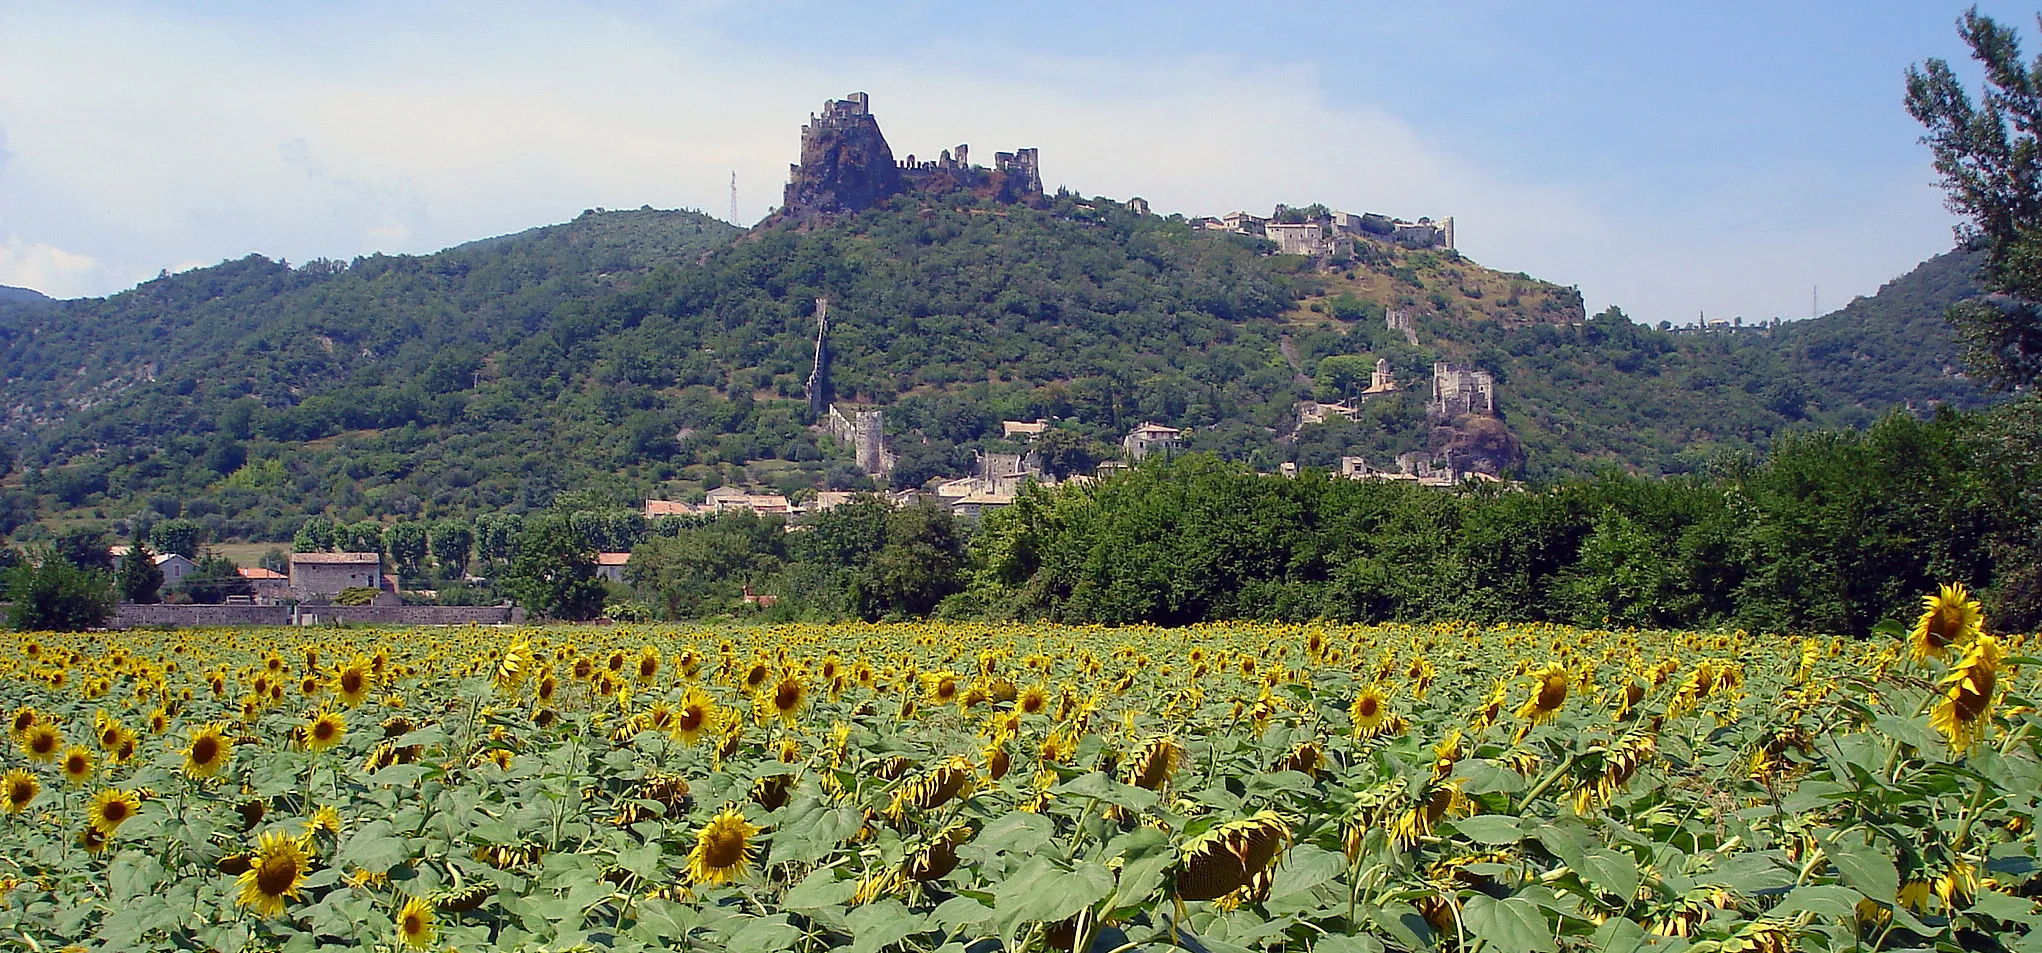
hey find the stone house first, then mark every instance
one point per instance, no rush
(1149, 438)
(175, 568)
(270, 586)
(324, 575)
(611, 566)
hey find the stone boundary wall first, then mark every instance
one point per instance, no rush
(131, 616)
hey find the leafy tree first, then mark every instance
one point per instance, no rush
(180, 536)
(363, 537)
(703, 569)
(1990, 160)
(554, 572)
(451, 541)
(922, 562)
(406, 543)
(86, 548)
(140, 580)
(1341, 375)
(275, 561)
(57, 596)
(213, 581)
(1064, 453)
(316, 535)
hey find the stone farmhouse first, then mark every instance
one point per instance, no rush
(1150, 438)
(317, 576)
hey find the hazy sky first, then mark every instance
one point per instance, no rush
(1667, 158)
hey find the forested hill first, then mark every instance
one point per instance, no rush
(627, 354)
(12, 295)
(1894, 347)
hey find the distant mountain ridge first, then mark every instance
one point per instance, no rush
(12, 295)
(633, 354)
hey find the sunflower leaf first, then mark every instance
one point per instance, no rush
(1510, 925)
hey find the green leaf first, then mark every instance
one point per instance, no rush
(1865, 867)
(763, 935)
(1823, 900)
(962, 911)
(819, 889)
(876, 925)
(375, 847)
(1042, 891)
(1889, 629)
(664, 921)
(1098, 785)
(1490, 828)
(2001, 906)
(1304, 868)
(1510, 925)
(1612, 872)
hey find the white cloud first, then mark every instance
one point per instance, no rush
(50, 270)
(142, 141)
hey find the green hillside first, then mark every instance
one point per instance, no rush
(639, 353)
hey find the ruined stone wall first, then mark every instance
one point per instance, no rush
(131, 616)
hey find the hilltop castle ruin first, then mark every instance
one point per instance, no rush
(847, 166)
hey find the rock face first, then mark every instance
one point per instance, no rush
(846, 165)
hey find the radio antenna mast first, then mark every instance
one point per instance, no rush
(733, 196)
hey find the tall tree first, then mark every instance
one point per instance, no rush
(140, 580)
(1991, 166)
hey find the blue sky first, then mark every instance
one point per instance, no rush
(1669, 159)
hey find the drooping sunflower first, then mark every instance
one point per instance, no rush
(208, 752)
(110, 809)
(1949, 618)
(513, 668)
(722, 850)
(1154, 763)
(18, 790)
(324, 731)
(415, 927)
(1233, 859)
(1963, 710)
(274, 872)
(41, 742)
(1548, 694)
(77, 765)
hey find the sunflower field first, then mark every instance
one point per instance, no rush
(978, 787)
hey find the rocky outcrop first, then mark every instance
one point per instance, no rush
(846, 165)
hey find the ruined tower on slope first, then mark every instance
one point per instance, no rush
(846, 165)
(818, 387)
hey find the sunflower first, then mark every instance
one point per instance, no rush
(274, 873)
(787, 698)
(326, 819)
(325, 731)
(1370, 710)
(77, 764)
(208, 752)
(1948, 618)
(1549, 693)
(41, 742)
(355, 681)
(1232, 859)
(18, 789)
(648, 665)
(108, 731)
(722, 849)
(1155, 762)
(1034, 700)
(110, 809)
(24, 718)
(512, 669)
(697, 713)
(1963, 710)
(415, 923)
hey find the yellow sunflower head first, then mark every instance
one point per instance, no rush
(415, 926)
(18, 790)
(208, 752)
(355, 681)
(1950, 617)
(41, 742)
(1548, 694)
(722, 850)
(110, 809)
(1963, 709)
(325, 730)
(77, 765)
(275, 871)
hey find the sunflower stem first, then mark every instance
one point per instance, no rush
(1546, 782)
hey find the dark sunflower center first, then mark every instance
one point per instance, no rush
(1552, 694)
(205, 750)
(276, 875)
(115, 812)
(324, 730)
(19, 794)
(414, 923)
(787, 696)
(1370, 707)
(722, 848)
(1975, 696)
(351, 682)
(691, 717)
(44, 743)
